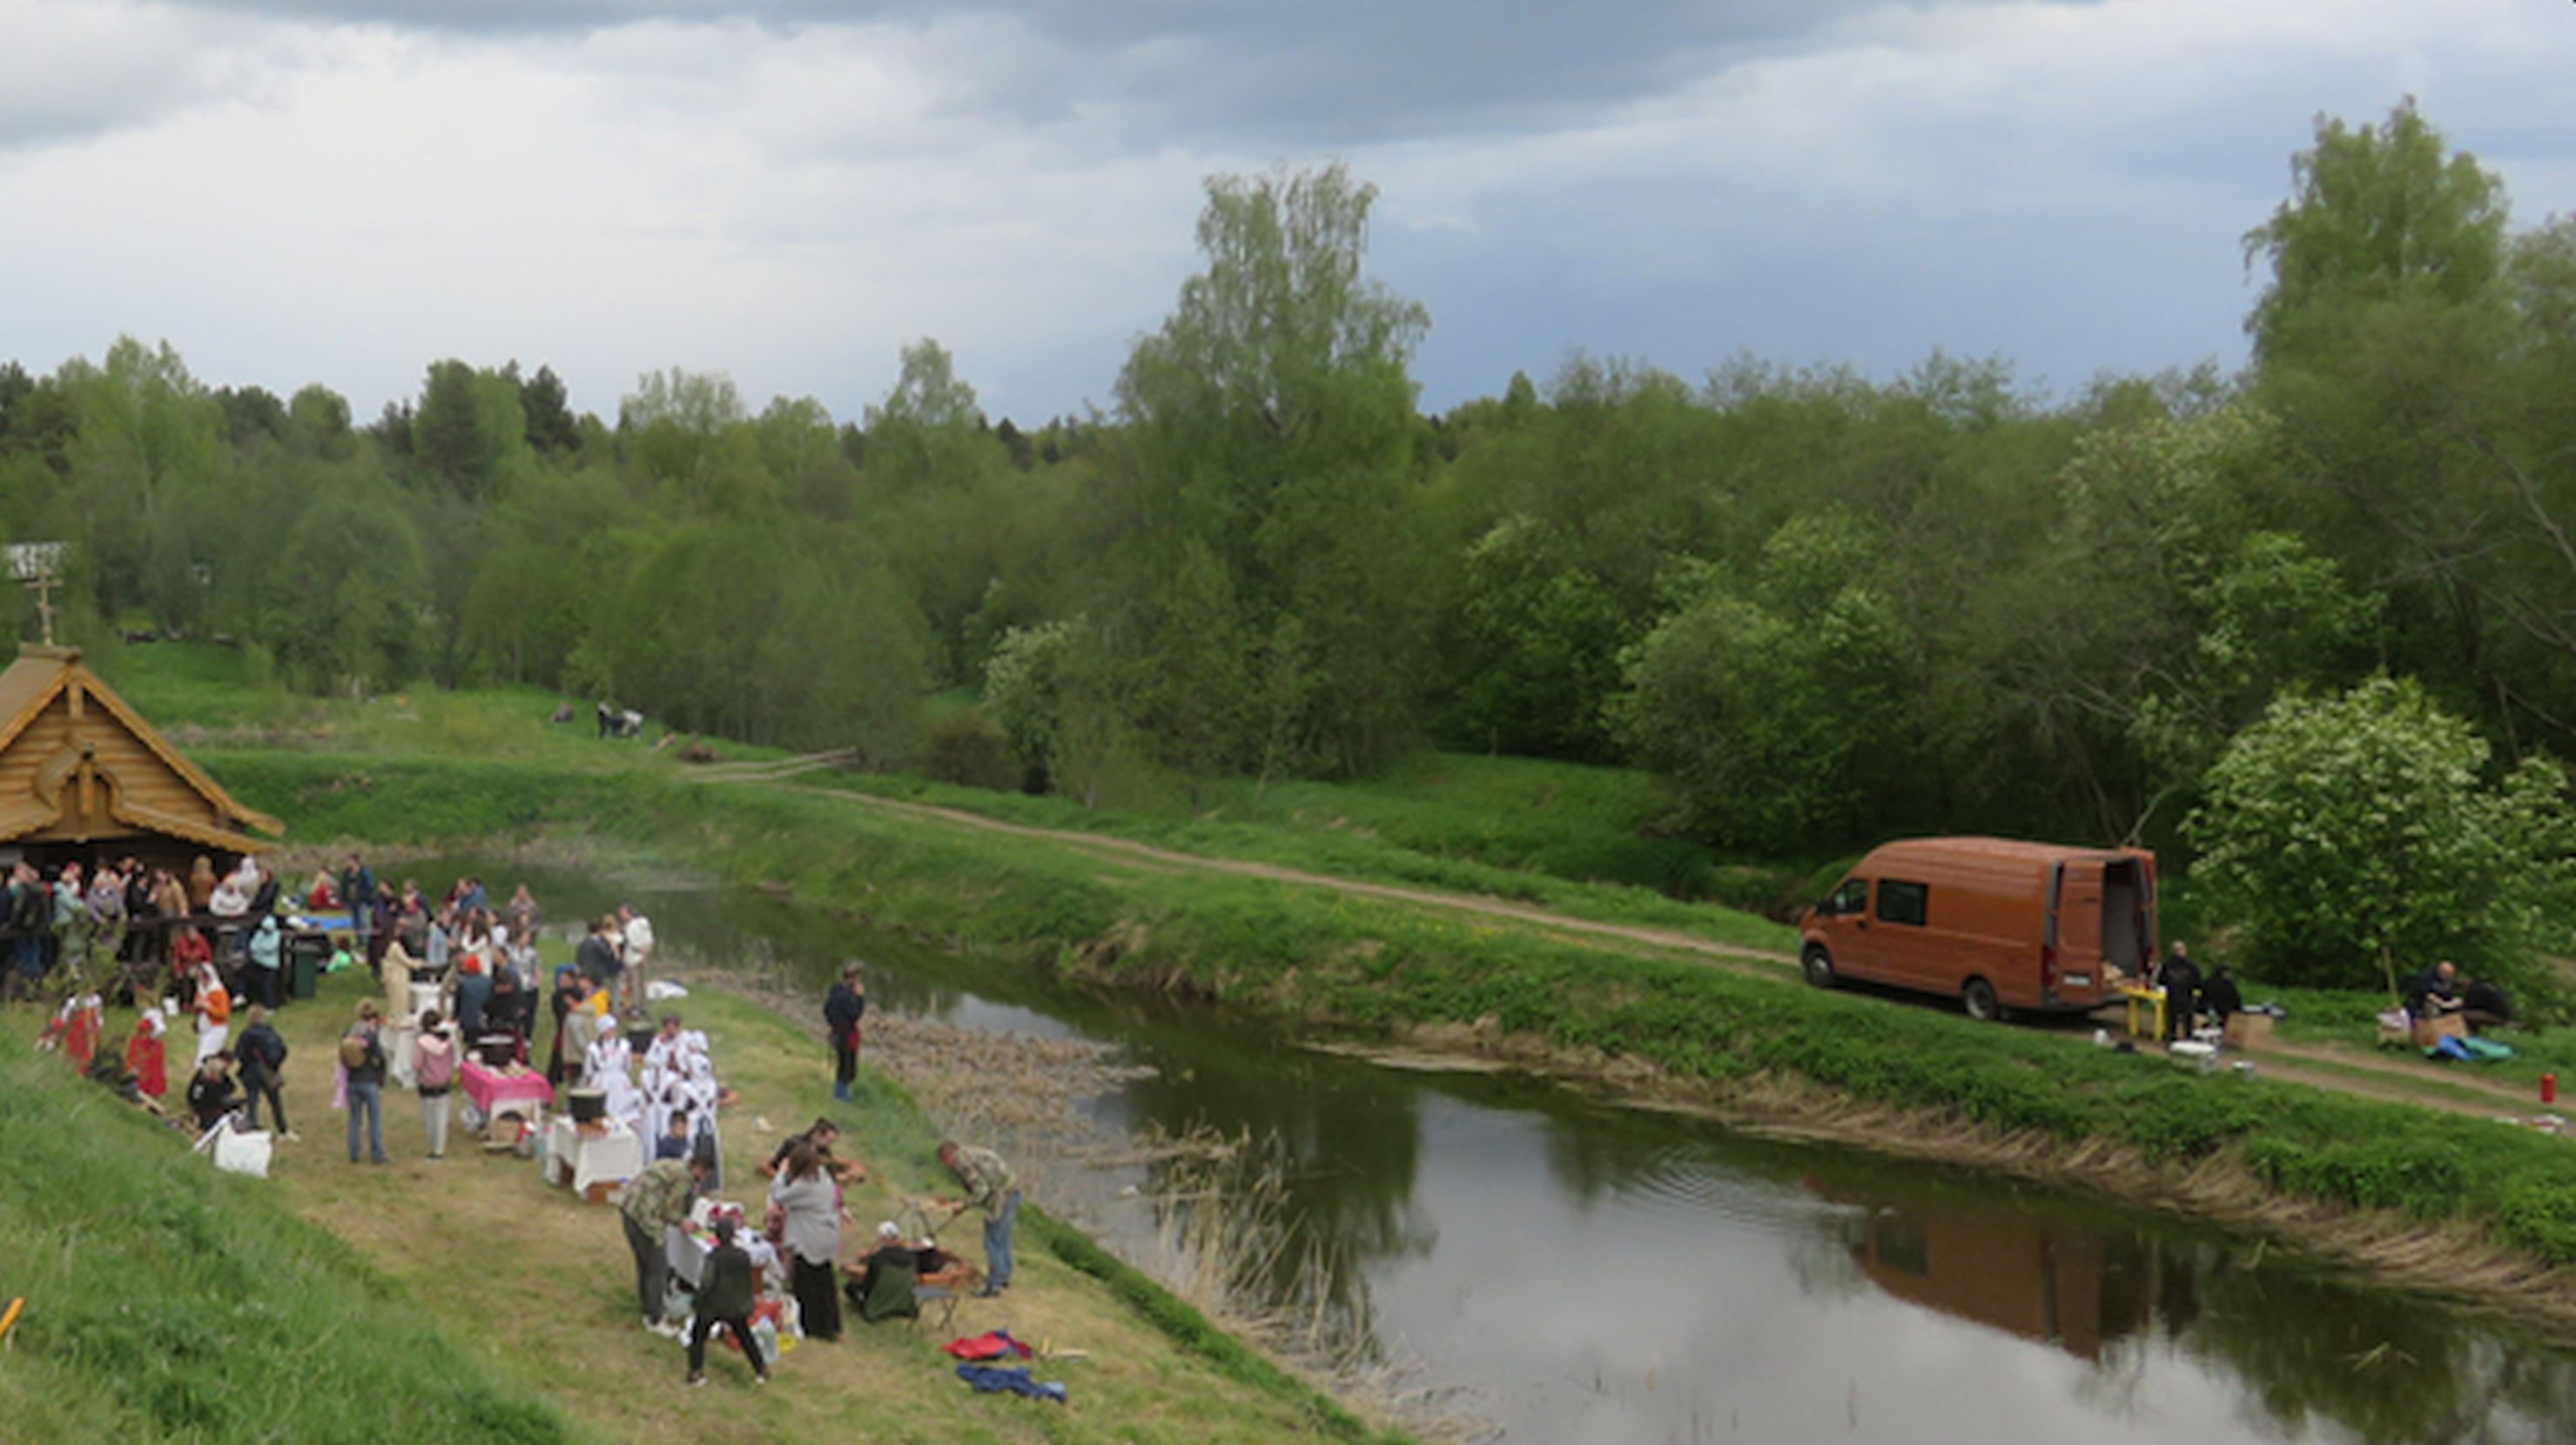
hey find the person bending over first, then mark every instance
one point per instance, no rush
(724, 1298)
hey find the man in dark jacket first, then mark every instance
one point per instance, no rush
(842, 1010)
(2181, 979)
(263, 1058)
(724, 1298)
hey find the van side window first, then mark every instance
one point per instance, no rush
(1903, 902)
(1852, 897)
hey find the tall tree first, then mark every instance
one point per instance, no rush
(1271, 423)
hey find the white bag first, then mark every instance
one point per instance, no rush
(238, 1151)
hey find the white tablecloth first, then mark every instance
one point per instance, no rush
(586, 1159)
(688, 1253)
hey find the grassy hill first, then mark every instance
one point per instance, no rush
(167, 1302)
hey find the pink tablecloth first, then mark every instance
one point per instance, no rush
(492, 1090)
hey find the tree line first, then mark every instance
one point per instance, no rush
(1828, 608)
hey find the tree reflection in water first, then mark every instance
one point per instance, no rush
(2310, 1348)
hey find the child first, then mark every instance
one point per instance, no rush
(674, 1143)
(724, 1298)
(148, 1057)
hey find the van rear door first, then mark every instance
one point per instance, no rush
(2077, 913)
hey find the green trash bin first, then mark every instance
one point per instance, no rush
(305, 955)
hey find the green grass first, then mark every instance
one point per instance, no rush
(167, 1302)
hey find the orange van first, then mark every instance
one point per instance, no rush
(1995, 923)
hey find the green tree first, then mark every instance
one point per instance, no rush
(1270, 421)
(2377, 215)
(1782, 714)
(470, 430)
(545, 402)
(317, 422)
(2351, 832)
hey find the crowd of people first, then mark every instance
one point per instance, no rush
(210, 945)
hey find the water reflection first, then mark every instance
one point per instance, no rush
(1601, 1274)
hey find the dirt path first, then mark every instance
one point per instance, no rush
(1662, 938)
(2324, 1066)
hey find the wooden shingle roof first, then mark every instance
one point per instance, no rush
(79, 764)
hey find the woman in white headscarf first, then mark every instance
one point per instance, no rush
(608, 1065)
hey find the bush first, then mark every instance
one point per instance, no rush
(2344, 831)
(971, 750)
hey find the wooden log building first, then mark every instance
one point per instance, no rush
(83, 777)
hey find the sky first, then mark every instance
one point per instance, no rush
(343, 191)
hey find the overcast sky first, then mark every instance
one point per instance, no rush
(344, 190)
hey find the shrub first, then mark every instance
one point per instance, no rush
(2342, 831)
(971, 750)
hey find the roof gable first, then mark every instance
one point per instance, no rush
(77, 761)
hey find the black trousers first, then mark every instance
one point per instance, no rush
(741, 1327)
(264, 1088)
(652, 1268)
(816, 1300)
(845, 1063)
(2182, 1008)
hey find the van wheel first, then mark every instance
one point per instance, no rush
(1819, 965)
(1978, 998)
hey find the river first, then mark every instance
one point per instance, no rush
(1574, 1271)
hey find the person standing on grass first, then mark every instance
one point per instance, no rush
(358, 891)
(263, 1064)
(991, 1188)
(214, 1011)
(809, 1204)
(724, 1298)
(655, 1200)
(71, 920)
(598, 958)
(265, 975)
(26, 932)
(434, 1075)
(362, 1055)
(842, 1010)
(147, 1055)
(635, 950)
(2181, 979)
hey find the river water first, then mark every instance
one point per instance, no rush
(1573, 1271)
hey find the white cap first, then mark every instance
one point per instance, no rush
(888, 1231)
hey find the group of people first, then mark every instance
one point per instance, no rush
(137, 931)
(2190, 997)
(806, 1205)
(2442, 991)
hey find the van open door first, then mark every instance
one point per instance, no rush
(2071, 972)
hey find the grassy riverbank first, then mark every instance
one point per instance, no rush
(463, 1299)
(1312, 954)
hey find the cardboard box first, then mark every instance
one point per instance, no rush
(2440, 1026)
(2249, 1031)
